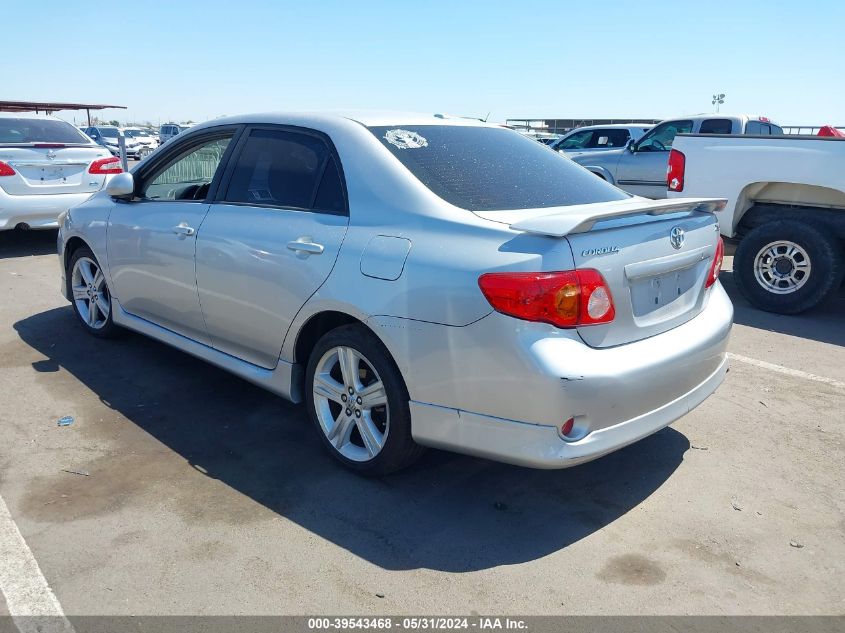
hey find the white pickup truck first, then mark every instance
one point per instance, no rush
(785, 204)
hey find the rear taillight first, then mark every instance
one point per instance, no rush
(716, 266)
(110, 165)
(6, 169)
(675, 171)
(565, 299)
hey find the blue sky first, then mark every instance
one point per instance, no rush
(195, 59)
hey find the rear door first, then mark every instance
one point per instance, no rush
(48, 156)
(152, 239)
(270, 239)
(642, 170)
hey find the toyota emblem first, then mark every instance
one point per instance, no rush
(676, 237)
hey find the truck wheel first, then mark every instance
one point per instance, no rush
(788, 266)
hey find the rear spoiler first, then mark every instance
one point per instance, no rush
(581, 217)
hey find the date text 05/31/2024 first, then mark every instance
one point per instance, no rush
(481, 623)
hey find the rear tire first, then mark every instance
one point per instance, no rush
(788, 266)
(358, 402)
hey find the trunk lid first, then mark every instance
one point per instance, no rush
(654, 254)
(44, 168)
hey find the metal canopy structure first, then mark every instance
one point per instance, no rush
(48, 107)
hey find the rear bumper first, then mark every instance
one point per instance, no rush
(509, 405)
(538, 446)
(36, 211)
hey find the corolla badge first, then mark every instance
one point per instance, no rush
(601, 250)
(676, 237)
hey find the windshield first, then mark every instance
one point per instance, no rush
(489, 169)
(13, 130)
(108, 131)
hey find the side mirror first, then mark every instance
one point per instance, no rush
(631, 145)
(121, 185)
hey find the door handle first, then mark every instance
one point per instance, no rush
(303, 247)
(184, 229)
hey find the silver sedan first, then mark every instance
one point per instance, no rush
(415, 280)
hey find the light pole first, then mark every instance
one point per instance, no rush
(718, 100)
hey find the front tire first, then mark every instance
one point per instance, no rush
(358, 402)
(788, 267)
(90, 295)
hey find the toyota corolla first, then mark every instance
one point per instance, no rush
(415, 280)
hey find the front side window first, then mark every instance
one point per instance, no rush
(578, 140)
(660, 138)
(716, 126)
(490, 168)
(189, 176)
(23, 130)
(280, 168)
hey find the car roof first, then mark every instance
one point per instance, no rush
(624, 126)
(366, 118)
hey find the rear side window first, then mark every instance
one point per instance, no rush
(716, 126)
(286, 169)
(613, 137)
(487, 169)
(23, 130)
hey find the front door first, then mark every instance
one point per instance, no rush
(642, 171)
(152, 239)
(270, 240)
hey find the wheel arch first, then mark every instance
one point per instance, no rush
(73, 245)
(315, 327)
(766, 200)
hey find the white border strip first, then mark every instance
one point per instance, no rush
(29, 599)
(786, 371)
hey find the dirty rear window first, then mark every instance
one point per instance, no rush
(489, 169)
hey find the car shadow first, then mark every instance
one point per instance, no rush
(823, 323)
(17, 243)
(448, 512)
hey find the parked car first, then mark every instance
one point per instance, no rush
(108, 137)
(640, 167)
(397, 274)
(168, 131)
(147, 139)
(785, 205)
(46, 167)
(593, 138)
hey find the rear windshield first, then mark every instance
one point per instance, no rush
(489, 169)
(39, 131)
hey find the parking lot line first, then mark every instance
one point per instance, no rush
(29, 599)
(797, 373)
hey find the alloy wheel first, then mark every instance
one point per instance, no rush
(90, 293)
(351, 404)
(782, 267)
